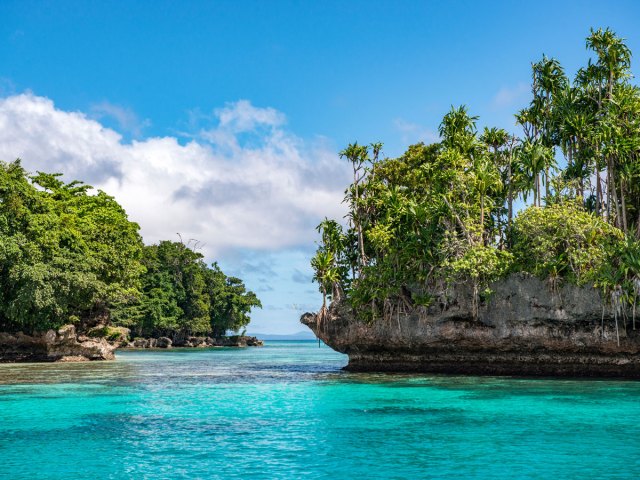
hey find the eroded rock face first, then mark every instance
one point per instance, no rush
(195, 342)
(163, 342)
(526, 327)
(51, 346)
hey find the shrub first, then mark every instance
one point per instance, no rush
(563, 241)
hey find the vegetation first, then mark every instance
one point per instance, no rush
(445, 212)
(68, 256)
(182, 296)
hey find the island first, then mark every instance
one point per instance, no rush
(77, 281)
(494, 253)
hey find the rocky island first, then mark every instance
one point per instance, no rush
(490, 252)
(67, 345)
(77, 281)
(525, 328)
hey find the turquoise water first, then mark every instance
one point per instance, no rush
(288, 411)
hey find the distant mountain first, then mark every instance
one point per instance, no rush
(302, 335)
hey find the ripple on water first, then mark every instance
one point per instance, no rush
(288, 411)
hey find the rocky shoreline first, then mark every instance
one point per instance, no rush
(527, 327)
(63, 345)
(66, 345)
(193, 342)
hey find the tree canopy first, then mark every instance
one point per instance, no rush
(444, 212)
(68, 255)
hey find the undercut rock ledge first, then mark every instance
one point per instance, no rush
(527, 327)
(62, 345)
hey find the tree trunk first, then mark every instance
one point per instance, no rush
(509, 198)
(608, 186)
(615, 198)
(624, 208)
(547, 186)
(570, 158)
(356, 219)
(598, 191)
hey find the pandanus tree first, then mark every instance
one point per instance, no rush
(361, 159)
(574, 121)
(549, 80)
(502, 149)
(539, 121)
(535, 158)
(458, 130)
(343, 255)
(600, 82)
(614, 58)
(487, 184)
(325, 273)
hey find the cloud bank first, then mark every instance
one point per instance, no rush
(244, 183)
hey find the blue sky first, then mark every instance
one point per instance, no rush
(195, 114)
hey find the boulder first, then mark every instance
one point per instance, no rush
(60, 345)
(254, 342)
(163, 342)
(117, 335)
(196, 341)
(140, 343)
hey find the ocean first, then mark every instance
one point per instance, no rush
(288, 411)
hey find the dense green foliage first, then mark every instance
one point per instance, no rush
(444, 213)
(181, 295)
(70, 256)
(64, 255)
(563, 240)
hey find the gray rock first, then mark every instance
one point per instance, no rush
(163, 342)
(526, 327)
(49, 346)
(197, 341)
(140, 343)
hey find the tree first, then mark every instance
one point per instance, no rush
(435, 215)
(230, 302)
(67, 255)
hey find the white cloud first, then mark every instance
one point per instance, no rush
(241, 116)
(247, 183)
(508, 96)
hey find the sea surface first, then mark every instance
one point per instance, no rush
(288, 411)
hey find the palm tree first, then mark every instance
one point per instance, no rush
(497, 139)
(487, 180)
(534, 159)
(357, 155)
(458, 129)
(599, 82)
(325, 273)
(614, 57)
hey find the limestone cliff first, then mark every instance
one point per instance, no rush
(526, 327)
(61, 345)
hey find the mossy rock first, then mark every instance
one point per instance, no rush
(111, 334)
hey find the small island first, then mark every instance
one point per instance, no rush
(77, 281)
(492, 253)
